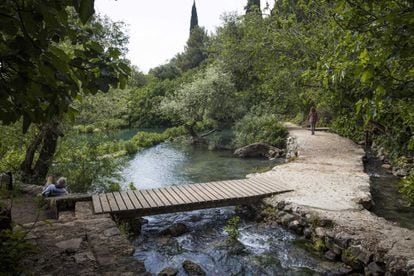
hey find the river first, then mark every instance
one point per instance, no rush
(269, 249)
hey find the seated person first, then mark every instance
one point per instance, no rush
(57, 189)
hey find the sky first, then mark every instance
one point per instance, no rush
(159, 29)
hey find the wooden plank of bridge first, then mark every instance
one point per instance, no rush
(105, 203)
(97, 206)
(134, 200)
(174, 196)
(186, 197)
(128, 203)
(180, 194)
(120, 202)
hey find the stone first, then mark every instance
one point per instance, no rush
(307, 232)
(83, 210)
(373, 269)
(168, 271)
(335, 248)
(386, 166)
(342, 239)
(287, 208)
(70, 246)
(320, 232)
(330, 255)
(114, 231)
(258, 150)
(286, 219)
(324, 222)
(84, 257)
(175, 230)
(280, 205)
(294, 225)
(410, 264)
(193, 269)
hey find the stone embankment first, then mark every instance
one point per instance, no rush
(328, 205)
(81, 243)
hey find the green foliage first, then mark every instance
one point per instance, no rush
(14, 248)
(48, 57)
(86, 167)
(350, 126)
(266, 129)
(319, 245)
(131, 186)
(194, 51)
(103, 111)
(210, 96)
(371, 70)
(145, 103)
(407, 188)
(130, 147)
(231, 228)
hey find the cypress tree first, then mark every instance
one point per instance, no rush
(252, 6)
(194, 17)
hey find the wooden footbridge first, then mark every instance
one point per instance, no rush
(186, 197)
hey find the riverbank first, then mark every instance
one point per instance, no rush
(78, 242)
(331, 192)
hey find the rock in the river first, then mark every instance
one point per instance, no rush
(258, 150)
(373, 269)
(175, 230)
(168, 271)
(193, 269)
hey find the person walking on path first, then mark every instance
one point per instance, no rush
(312, 119)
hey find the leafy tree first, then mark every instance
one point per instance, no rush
(372, 67)
(209, 97)
(194, 17)
(265, 128)
(48, 58)
(166, 71)
(195, 50)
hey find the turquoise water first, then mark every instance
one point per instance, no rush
(175, 163)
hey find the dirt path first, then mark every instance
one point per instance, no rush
(328, 179)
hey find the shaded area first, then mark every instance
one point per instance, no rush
(389, 203)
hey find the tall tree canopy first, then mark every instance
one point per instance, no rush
(253, 6)
(48, 58)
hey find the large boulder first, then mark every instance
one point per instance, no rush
(193, 269)
(258, 150)
(175, 230)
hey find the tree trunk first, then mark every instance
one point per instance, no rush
(47, 152)
(47, 139)
(191, 131)
(26, 166)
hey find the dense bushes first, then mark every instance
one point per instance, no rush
(407, 188)
(266, 128)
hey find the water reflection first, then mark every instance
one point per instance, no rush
(173, 163)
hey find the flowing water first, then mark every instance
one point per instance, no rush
(269, 250)
(388, 201)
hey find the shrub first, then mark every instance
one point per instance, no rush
(232, 228)
(130, 147)
(266, 129)
(14, 248)
(407, 188)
